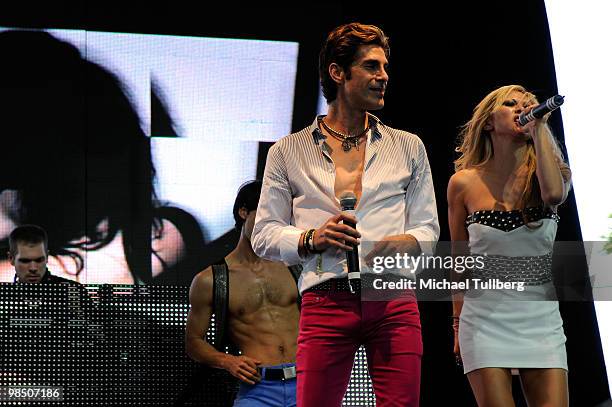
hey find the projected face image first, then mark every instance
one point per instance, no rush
(125, 169)
(8, 203)
(74, 138)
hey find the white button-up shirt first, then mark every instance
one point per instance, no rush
(298, 194)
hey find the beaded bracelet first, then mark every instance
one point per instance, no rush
(304, 245)
(455, 323)
(310, 240)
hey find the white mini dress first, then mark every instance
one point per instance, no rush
(510, 328)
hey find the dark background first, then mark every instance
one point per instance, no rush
(444, 59)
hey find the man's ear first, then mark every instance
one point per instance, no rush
(243, 213)
(11, 258)
(336, 72)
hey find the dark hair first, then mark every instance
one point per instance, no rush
(30, 234)
(88, 159)
(341, 46)
(248, 197)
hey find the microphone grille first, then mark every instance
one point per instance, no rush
(348, 200)
(557, 100)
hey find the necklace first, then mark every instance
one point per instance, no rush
(347, 140)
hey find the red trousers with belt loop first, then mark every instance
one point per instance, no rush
(333, 324)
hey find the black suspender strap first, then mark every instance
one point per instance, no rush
(296, 271)
(220, 303)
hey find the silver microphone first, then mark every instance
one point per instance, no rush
(540, 110)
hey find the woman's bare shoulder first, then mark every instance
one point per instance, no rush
(460, 180)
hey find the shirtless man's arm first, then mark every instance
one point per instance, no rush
(242, 367)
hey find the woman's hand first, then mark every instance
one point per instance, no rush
(456, 349)
(532, 128)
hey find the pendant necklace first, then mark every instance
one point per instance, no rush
(347, 140)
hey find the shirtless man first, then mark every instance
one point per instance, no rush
(299, 221)
(262, 321)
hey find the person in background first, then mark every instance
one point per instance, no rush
(262, 317)
(78, 164)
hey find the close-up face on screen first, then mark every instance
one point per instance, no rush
(134, 144)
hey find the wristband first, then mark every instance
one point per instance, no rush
(309, 240)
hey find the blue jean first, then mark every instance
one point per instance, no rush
(267, 393)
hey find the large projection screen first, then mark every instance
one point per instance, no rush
(204, 104)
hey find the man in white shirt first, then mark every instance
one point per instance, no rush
(299, 220)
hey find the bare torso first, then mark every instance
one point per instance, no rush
(349, 167)
(263, 311)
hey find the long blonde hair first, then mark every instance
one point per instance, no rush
(476, 147)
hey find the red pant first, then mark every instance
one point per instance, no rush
(333, 324)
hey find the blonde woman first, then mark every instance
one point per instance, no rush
(502, 202)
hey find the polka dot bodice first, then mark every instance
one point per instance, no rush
(510, 220)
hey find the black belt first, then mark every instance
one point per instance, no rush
(337, 284)
(342, 284)
(277, 373)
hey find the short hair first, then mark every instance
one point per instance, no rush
(248, 197)
(30, 234)
(341, 47)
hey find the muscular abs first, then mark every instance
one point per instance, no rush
(263, 312)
